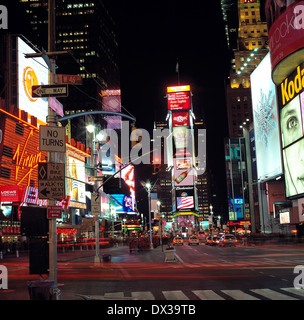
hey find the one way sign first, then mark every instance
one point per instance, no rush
(51, 180)
(50, 91)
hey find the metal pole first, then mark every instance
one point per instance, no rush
(97, 250)
(51, 121)
(150, 223)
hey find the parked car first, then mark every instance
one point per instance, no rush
(178, 240)
(228, 240)
(193, 240)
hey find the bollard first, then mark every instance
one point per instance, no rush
(17, 253)
(1, 255)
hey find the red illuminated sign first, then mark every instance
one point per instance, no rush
(180, 119)
(179, 100)
(10, 194)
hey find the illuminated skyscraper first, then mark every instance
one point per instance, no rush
(252, 46)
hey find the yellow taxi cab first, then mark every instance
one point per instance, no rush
(178, 240)
(193, 240)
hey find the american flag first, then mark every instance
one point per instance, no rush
(185, 202)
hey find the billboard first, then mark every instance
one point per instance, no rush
(184, 198)
(266, 122)
(293, 146)
(127, 173)
(183, 171)
(180, 119)
(179, 98)
(76, 180)
(111, 101)
(124, 203)
(31, 71)
(285, 26)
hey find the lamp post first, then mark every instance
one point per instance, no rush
(211, 212)
(91, 129)
(148, 188)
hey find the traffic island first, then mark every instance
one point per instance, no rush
(170, 254)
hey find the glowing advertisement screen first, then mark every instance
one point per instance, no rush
(184, 198)
(266, 122)
(183, 172)
(124, 203)
(75, 182)
(293, 146)
(31, 71)
(179, 101)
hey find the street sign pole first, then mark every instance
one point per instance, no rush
(51, 121)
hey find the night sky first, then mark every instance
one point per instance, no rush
(152, 37)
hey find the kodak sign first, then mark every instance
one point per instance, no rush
(292, 85)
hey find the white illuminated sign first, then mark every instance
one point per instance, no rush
(31, 71)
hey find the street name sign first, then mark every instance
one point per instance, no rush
(51, 180)
(43, 91)
(95, 204)
(52, 139)
(95, 179)
(68, 79)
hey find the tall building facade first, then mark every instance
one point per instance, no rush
(252, 46)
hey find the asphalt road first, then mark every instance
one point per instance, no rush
(199, 273)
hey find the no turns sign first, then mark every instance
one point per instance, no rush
(52, 139)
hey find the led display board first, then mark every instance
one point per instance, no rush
(179, 100)
(266, 122)
(125, 203)
(127, 173)
(31, 71)
(184, 198)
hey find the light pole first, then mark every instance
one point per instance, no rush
(211, 212)
(91, 129)
(148, 188)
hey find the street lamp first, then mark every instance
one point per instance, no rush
(148, 188)
(211, 212)
(91, 129)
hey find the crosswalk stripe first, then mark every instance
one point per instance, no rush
(299, 292)
(273, 295)
(143, 295)
(175, 295)
(202, 295)
(207, 295)
(239, 295)
(117, 295)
